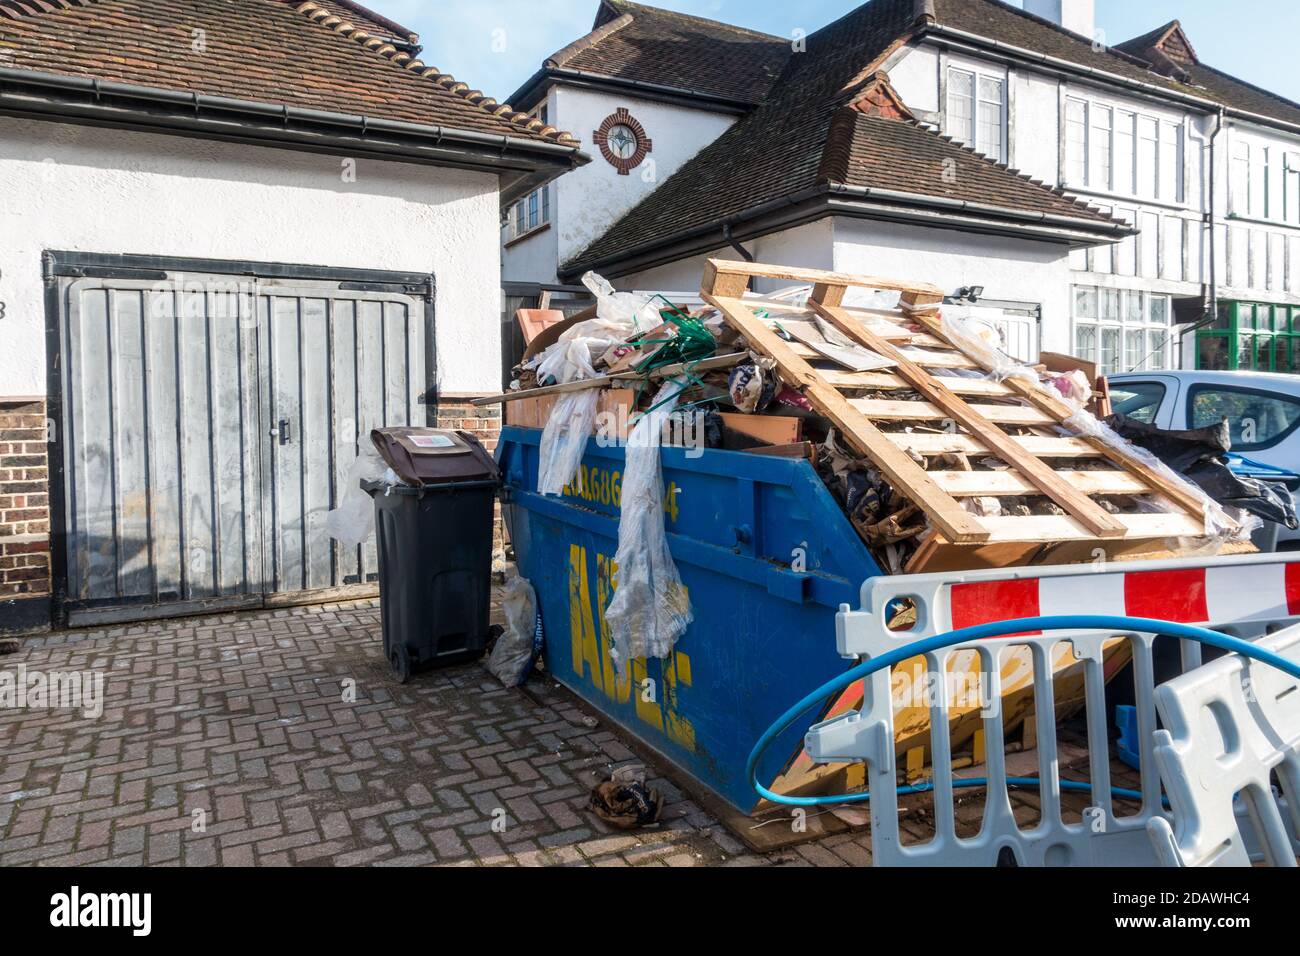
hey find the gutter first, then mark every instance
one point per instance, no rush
(1118, 229)
(816, 202)
(1067, 66)
(498, 149)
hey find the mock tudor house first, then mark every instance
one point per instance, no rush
(234, 235)
(1128, 203)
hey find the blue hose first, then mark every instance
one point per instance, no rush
(1065, 622)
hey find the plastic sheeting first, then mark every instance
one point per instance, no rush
(650, 609)
(619, 316)
(967, 336)
(512, 655)
(353, 521)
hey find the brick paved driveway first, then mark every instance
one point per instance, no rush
(234, 739)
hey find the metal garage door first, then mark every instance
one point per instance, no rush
(209, 423)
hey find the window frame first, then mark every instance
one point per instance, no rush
(1117, 322)
(1160, 398)
(531, 213)
(970, 136)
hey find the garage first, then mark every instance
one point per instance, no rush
(215, 281)
(209, 413)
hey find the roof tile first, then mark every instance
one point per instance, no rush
(331, 55)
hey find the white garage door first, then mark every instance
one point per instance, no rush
(210, 419)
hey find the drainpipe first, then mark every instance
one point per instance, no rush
(1214, 257)
(1211, 292)
(726, 234)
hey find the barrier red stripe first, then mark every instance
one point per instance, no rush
(983, 602)
(1293, 588)
(1177, 596)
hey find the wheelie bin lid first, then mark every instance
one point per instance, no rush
(434, 456)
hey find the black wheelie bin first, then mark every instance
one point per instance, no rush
(434, 538)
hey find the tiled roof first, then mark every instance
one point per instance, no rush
(329, 55)
(877, 150)
(789, 142)
(634, 42)
(1131, 60)
(1168, 50)
(800, 137)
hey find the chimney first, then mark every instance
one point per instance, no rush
(1077, 16)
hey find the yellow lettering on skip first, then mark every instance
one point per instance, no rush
(655, 701)
(582, 630)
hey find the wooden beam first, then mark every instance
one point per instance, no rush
(720, 279)
(715, 269)
(1091, 515)
(1175, 490)
(887, 381)
(924, 443)
(970, 484)
(858, 431)
(887, 410)
(1051, 528)
(668, 371)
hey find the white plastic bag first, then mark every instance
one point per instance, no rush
(353, 521)
(512, 656)
(564, 440)
(619, 316)
(650, 609)
(638, 312)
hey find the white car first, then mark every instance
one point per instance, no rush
(1262, 408)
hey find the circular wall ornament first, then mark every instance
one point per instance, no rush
(622, 141)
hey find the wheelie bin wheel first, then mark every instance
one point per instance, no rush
(401, 661)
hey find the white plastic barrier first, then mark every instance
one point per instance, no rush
(1246, 596)
(1230, 725)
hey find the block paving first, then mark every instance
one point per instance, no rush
(280, 738)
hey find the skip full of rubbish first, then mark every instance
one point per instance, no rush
(945, 452)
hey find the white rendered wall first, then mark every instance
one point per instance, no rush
(1020, 270)
(810, 246)
(78, 188)
(591, 199)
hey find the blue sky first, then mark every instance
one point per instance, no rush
(494, 45)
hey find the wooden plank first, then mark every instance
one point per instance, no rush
(924, 443)
(773, 429)
(802, 449)
(1175, 490)
(720, 279)
(533, 322)
(716, 271)
(536, 412)
(858, 431)
(887, 381)
(934, 359)
(668, 371)
(966, 484)
(887, 410)
(977, 421)
(1049, 528)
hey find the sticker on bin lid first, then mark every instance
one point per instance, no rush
(431, 441)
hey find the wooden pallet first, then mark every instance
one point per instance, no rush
(955, 417)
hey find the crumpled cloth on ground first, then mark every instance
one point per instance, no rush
(624, 801)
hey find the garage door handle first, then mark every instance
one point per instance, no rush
(282, 431)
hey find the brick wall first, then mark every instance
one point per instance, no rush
(24, 500)
(484, 424)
